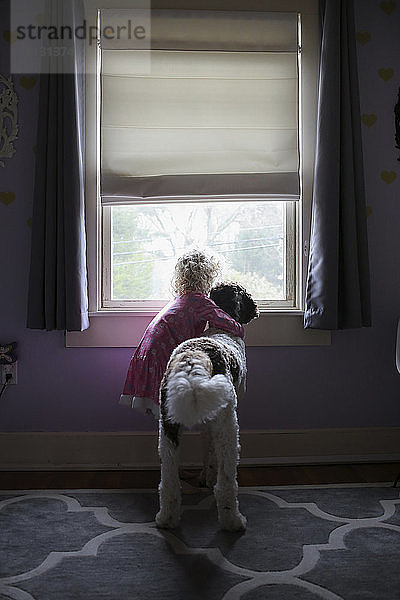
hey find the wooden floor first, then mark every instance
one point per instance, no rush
(248, 476)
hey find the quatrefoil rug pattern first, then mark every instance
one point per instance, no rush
(303, 543)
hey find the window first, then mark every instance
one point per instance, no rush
(141, 244)
(204, 140)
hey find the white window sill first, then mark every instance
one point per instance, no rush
(121, 329)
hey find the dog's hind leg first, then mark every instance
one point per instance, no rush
(208, 475)
(225, 431)
(169, 489)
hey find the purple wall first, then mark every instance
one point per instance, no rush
(352, 383)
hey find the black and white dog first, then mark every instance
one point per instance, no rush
(204, 379)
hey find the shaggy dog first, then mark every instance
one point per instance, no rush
(203, 381)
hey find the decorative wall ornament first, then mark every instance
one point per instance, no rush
(385, 74)
(388, 176)
(397, 122)
(363, 37)
(387, 7)
(368, 120)
(8, 118)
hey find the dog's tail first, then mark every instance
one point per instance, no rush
(191, 393)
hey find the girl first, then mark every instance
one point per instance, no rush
(184, 317)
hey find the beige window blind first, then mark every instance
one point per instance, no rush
(211, 110)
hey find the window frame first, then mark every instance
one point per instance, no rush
(308, 98)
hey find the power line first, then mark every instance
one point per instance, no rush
(140, 262)
(279, 238)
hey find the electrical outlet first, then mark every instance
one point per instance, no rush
(12, 370)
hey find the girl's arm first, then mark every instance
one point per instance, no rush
(219, 319)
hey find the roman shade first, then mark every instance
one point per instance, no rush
(209, 111)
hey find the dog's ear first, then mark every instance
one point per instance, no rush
(248, 308)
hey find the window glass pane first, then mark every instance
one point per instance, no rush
(248, 238)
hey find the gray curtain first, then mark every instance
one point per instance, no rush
(57, 297)
(338, 287)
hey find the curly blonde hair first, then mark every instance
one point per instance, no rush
(194, 271)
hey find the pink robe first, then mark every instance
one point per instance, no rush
(182, 319)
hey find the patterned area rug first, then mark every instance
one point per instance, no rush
(303, 543)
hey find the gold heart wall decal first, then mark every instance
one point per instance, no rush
(27, 82)
(385, 74)
(10, 36)
(7, 197)
(363, 37)
(368, 120)
(387, 7)
(388, 176)
(40, 19)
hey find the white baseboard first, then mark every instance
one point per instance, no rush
(33, 451)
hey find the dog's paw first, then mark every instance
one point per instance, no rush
(233, 522)
(167, 521)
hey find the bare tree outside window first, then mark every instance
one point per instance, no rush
(249, 238)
